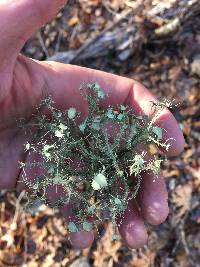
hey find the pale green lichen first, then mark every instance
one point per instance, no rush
(100, 185)
(99, 182)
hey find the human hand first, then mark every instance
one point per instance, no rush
(25, 82)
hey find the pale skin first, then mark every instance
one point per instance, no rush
(24, 82)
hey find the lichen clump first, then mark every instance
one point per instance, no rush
(98, 163)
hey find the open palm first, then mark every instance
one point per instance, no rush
(24, 82)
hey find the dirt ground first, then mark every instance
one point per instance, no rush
(157, 43)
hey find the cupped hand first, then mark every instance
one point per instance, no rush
(24, 82)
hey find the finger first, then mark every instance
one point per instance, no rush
(141, 100)
(120, 90)
(79, 240)
(132, 228)
(19, 19)
(152, 198)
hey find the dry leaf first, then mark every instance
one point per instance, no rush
(106, 249)
(73, 21)
(8, 238)
(181, 199)
(196, 176)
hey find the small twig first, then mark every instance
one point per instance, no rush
(185, 245)
(168, 28)
(25, 237)
(104, 3)
(184, 14)
(17, 209)
(42, 44)
(180, 233)
(58, 41)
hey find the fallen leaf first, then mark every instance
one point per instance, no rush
(181, 199)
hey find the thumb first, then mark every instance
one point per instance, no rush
(19, 19)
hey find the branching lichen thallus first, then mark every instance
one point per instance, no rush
(97, 162)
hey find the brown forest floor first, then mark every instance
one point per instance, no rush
(168, 62)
